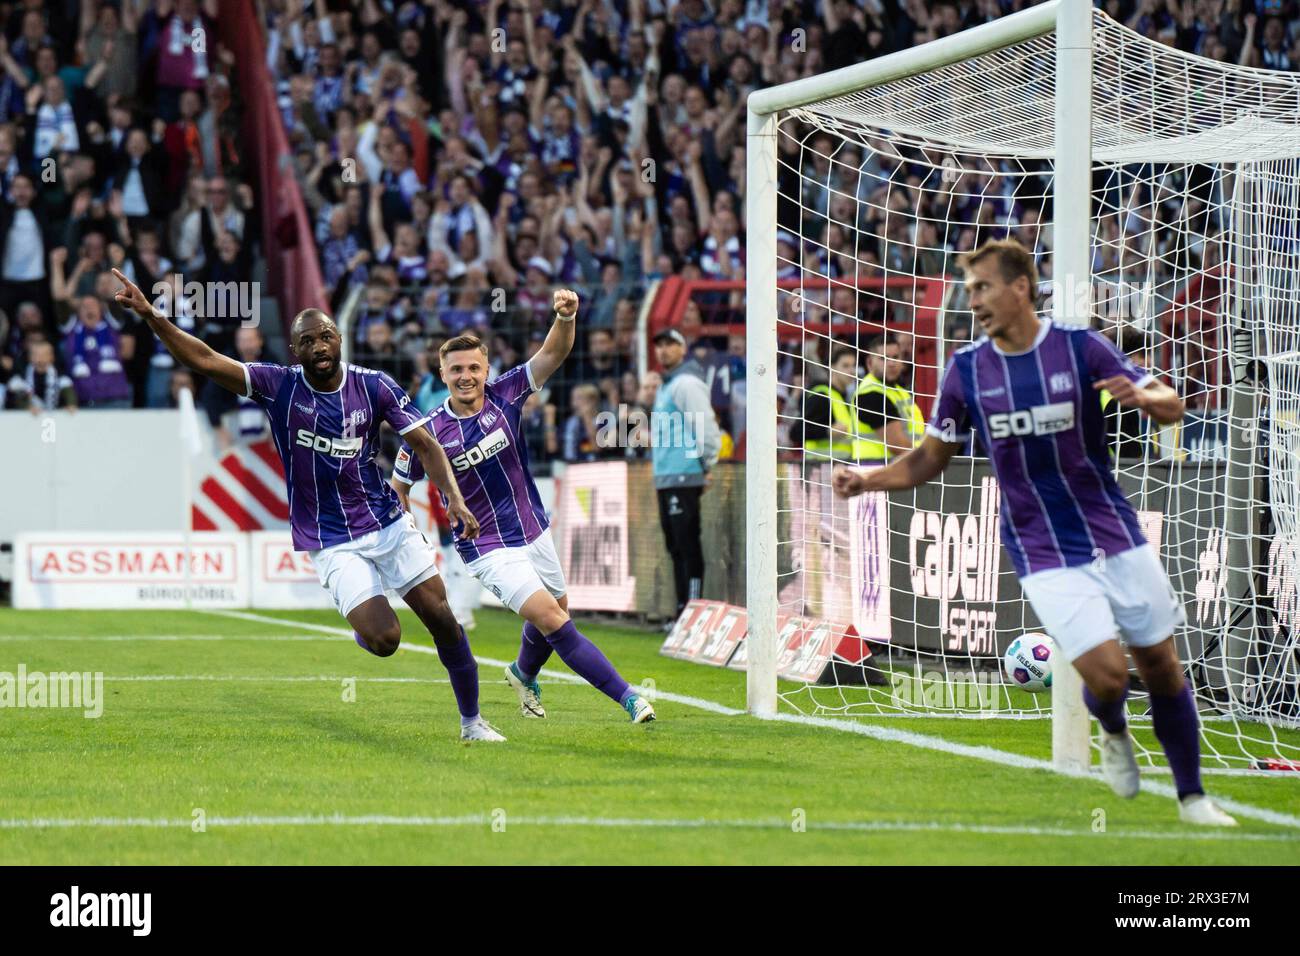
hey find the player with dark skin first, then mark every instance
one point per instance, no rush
(315, 341)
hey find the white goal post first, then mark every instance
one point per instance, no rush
(838, 162)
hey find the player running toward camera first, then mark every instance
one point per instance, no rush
(514, 558)
(325, 417)
(1029, 391)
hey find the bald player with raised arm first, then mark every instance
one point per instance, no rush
(1029, 391)
(325, 417)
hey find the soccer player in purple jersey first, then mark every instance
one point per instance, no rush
(1029, 391)
(325, 417)
(478, 426)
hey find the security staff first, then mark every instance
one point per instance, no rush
(681, 467)
(1130, 434)
(829, 424)
(889, 422)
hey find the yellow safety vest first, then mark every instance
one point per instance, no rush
(840, 445)
(1166, 441)
(867, 449)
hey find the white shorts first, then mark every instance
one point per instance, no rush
(1127, 594)
(396, 558)
(516, 574)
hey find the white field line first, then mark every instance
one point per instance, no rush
(562, 676)
(336, 634)
(487, 820)
(254, 679)
(567, 679)
(888, 734)
(129, 638)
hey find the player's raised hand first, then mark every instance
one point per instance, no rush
(131, 297)
(565, 303)
(848, 482)
(457, 513)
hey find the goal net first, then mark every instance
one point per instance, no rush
(865, 190)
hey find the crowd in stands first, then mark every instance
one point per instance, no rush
(119, 149)
(460, 159)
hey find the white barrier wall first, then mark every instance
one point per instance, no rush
(280, 577)
(90, 470)
(103, 568)
(140, 569)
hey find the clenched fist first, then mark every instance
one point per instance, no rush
(848, 482)
(566, 303)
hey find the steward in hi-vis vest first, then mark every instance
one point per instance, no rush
(889, 423)
(829, 422)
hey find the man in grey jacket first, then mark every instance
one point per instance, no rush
(686, 442)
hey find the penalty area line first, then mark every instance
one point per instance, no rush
(615, 823)
(886, 734)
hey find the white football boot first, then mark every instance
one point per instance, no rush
(1119, 764)
(529, 691)
(480, 729)
(1201, 810)
(639, 709)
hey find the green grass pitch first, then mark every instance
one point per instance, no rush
(247, 726)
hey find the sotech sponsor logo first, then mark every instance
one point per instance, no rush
(323, 444)
(77, 909)
(26, 689)
(1039, 421)
(954, 559)
(489, 446)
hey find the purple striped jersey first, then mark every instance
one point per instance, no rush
(327, 443)
(1040, 420)
(490, 460)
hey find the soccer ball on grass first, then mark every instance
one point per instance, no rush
(1028, 662)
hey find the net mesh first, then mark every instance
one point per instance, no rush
(1195, 244)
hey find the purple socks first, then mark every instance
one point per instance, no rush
(361, 642)
(534, 652)
(1109, 713)
(1177, 729)
(585, 659)
(463, 671)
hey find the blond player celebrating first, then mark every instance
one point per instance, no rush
(479, 428)
(1029, 391)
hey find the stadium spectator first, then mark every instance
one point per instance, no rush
(94, 353)
(218, 215)
(382, 354)
(178, 37)
(40, 385)
(25, 239)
